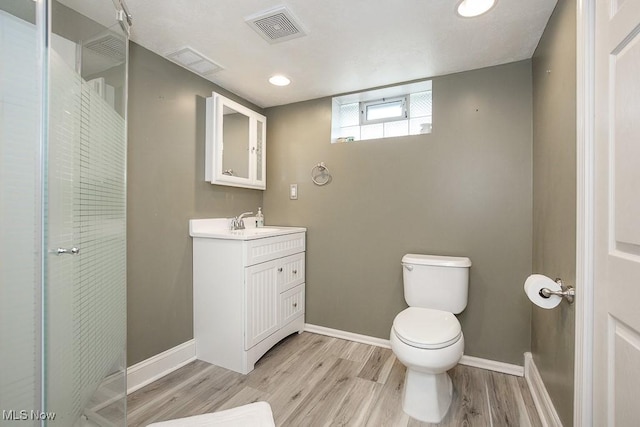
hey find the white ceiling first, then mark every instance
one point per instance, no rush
(351, 44)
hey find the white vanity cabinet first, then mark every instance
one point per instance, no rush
(248, 293)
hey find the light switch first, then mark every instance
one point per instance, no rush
(293, 191)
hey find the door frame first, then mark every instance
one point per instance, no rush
(585, 120)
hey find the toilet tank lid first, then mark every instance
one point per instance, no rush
(438, 260)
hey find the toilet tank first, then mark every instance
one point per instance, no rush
(437, 282)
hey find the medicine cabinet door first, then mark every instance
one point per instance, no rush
(235, 149)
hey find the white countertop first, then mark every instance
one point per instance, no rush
(219, 228)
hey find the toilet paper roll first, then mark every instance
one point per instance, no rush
(534, 284)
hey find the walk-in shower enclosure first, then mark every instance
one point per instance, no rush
(63, 129)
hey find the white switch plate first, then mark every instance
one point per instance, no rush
(293, 191)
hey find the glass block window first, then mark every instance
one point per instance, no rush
(359, 117)
(349, 115)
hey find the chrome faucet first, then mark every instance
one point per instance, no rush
(237, 223)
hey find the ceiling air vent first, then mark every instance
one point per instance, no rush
(194, 61)
(276, 25)
(108, 46)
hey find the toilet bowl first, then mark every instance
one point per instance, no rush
(428, 353)
(427, 337)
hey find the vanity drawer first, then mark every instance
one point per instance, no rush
(261, 250)
(291, 304)
(290, 271)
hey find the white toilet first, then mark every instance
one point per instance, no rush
(427, 337)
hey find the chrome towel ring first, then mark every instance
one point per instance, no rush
(320, 174)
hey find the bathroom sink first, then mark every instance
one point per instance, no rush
(218, 228)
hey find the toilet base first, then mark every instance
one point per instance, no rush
(427, 397)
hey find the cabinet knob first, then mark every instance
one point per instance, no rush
(295, 304)
(280, 270)
(295, 271)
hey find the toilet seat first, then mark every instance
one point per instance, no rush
(427, 328)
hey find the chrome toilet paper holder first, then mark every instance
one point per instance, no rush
(567, 292)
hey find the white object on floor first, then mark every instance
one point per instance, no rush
(252, 415)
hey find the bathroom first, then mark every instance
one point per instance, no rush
(464, 190)
(495, 181)
(396, 188)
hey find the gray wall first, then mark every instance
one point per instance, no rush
(464, 190)
(554, 199)
(166, 188)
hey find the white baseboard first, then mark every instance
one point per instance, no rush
(349, 336)
(492, 365)
(477, 362)
(547, 412)
(156, 367)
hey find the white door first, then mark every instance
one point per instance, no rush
(617, 214)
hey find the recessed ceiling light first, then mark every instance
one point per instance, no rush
(472, 8)
(279, 80)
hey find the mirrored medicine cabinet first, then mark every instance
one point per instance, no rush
(235, 144)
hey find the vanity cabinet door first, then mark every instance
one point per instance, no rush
(262, 297)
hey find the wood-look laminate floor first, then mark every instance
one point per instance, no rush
(314, 380)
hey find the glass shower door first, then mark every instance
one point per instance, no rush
(85, 216)
(20, 207)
